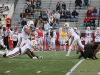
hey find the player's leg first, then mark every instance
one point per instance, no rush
(41, 40)
(48, 41)
(45, 40)
(73, 47)
(76, 46)
(13, 53)
(64, 44)
(61, 43)
(82, 55)
(53, 44)
(89, 40)
(38, 44)
(74, 39)
(86, 41)
(80, 43)
(1, 42)
(95, 40)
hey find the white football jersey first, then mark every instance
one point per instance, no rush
(25, 47)
(97, 35)
(73, 33)
(23, 34)
(88, 33)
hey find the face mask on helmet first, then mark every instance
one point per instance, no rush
(34, 43)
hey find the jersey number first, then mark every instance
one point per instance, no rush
(88, 34)
(8, 21)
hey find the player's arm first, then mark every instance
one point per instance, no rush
(27, 31)
(96, 50)
(32, 53)
(28, 53)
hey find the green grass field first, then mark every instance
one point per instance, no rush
(53, 63)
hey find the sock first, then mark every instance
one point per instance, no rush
(2, 53)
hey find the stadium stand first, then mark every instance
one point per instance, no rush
(51, 5)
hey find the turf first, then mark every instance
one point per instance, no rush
(88, 67)
(53, 63)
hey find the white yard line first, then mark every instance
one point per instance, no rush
(73, 68)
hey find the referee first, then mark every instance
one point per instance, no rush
(5, 35)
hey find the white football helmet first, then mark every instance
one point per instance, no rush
(88, 28)
(30, 22)
(75, 28)
(34, 43)
(60, 30)
(37, 28)
(67, 25)
(98, 28)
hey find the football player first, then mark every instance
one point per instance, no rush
(26, 34)
(47, 40)
(40, 38)
(1, 41)
(88, 35)
(62, 37)
(26, 49)
(90, 50)
(52, 39)
(97, 35)
(74, 36)
(78, 33)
